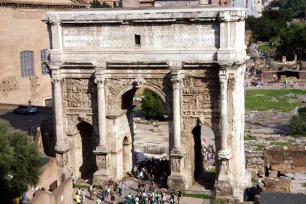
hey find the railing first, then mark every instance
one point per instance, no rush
(152, 149)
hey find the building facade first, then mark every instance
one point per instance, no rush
(24, 44)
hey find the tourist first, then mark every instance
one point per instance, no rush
(90, 191)
(79, 191)
(124, 187)
(137, 200)
(106, 189)
(120, 188)
(164, 198)
(94, 193)
(77, 198)
(172, 197)
(73, 180)
(179, 195)
(83, 194)
(113, 198)
(141, 175)
(24, 198)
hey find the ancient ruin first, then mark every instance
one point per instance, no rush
(193, 58)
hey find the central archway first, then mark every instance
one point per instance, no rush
(124, 140)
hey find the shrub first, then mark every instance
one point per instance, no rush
(298, 122)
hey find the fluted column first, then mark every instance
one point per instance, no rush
(176, 83)
(61, 146)
(101, 114)
(224, 153)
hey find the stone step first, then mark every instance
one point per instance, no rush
(266, 131)
(256, 135)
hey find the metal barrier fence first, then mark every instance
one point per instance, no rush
(154, 149)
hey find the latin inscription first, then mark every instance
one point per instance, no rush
(176, 36)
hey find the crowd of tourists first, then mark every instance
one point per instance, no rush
(152, 179)
(208, 153)
(147, 193)
(153, 170)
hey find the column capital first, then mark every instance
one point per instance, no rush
(100, 82)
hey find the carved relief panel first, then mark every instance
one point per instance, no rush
(80, 94)
(200, 100)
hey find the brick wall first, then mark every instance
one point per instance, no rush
(62, 195)
(255, 162)
(286, 159)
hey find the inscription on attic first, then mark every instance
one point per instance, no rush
(166, 36)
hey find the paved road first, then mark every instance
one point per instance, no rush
(206, 132)
(22, 121)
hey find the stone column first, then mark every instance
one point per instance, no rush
(176, 84)
(61, 145)
(102, 147)
(224, 153)
(178, 178)
(102, 151)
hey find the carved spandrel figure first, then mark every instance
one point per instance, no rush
(175, 165)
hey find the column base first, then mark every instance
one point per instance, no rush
(178, 181)
(223, 189)
(100, 177)
(62, 148)
(102, 149)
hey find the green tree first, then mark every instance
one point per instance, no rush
(298, 123)
(292, 40)
(298, 7)
(152, 105)
(269, 24)
(19, 163)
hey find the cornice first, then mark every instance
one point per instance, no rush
(40, 5)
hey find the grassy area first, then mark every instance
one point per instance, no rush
(249, 138)
(258, 147)
(254, 180)
(261, 100)
(279, 143)
(202, 196)
(80, 186)
(211, 170)
(264, 48)
(216, 201)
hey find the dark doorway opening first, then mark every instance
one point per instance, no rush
(88, 145)
(202, 176)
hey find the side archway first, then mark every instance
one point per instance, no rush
(84, 145)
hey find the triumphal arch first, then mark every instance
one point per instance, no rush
(193, 58)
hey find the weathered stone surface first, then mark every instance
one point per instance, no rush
(193, 58)
(275, 185)
(286, 159)
(255, 162)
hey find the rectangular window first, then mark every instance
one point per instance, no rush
(27, 63)
(48, 102)
(43, 58)
(137, 40)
